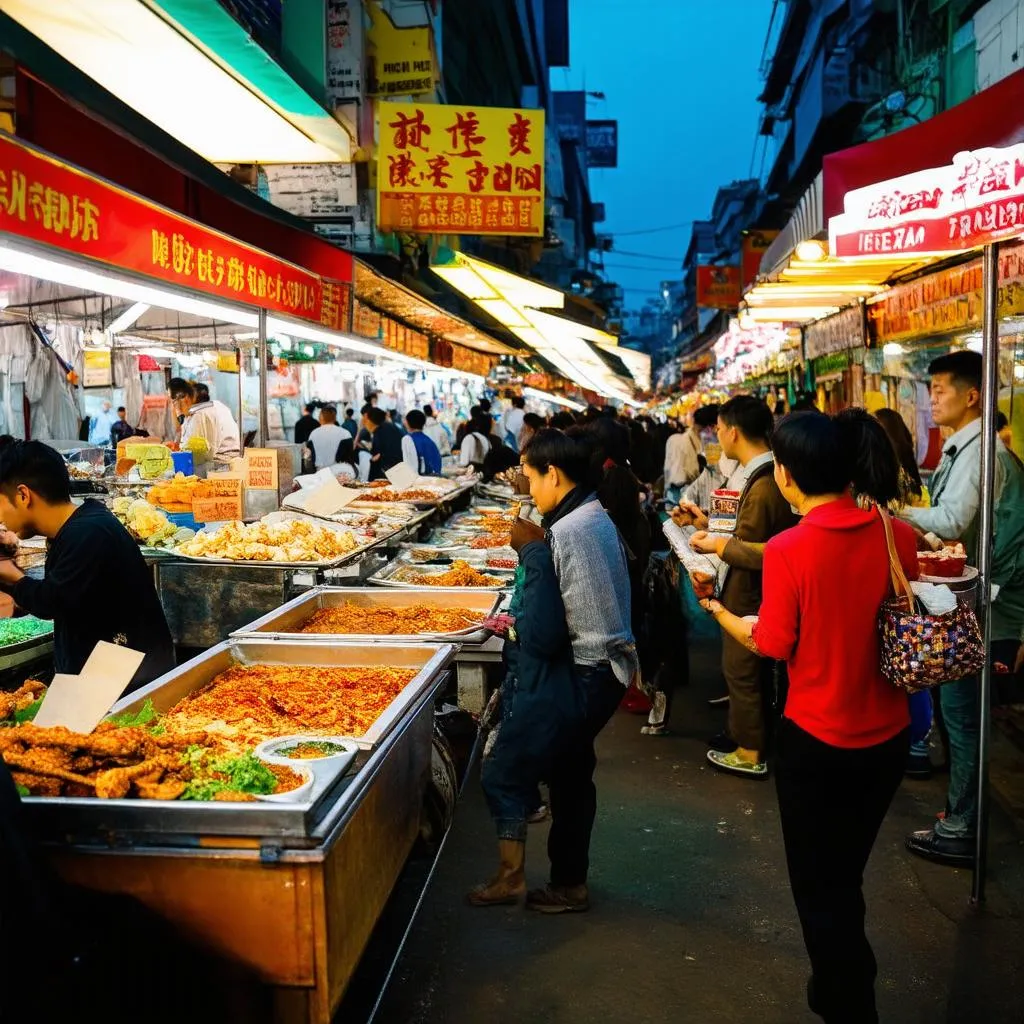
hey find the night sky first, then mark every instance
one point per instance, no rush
(682, 78)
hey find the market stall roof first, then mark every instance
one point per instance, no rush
(388, 296)
(528, 309)
(992, 118)
(191, 69)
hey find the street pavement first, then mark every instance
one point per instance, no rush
(691, 916)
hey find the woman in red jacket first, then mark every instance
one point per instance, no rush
(844, 737)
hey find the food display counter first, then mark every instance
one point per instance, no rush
(290, 891)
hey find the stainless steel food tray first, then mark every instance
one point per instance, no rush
(385, 577)
(157, 821)
(284, 516)
(282, 623)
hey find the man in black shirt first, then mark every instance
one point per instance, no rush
(306, 425)
(385, 444)
(96, 585)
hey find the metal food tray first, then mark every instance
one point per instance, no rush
(282, 623)
(164, 820)
(384, 577)
(286, 516)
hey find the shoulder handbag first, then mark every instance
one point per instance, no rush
(920, 650)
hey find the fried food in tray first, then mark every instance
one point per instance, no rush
(292, 540)
(21, 699)
(461, 574)
(389, 494)
(250, 703)
(385, 621)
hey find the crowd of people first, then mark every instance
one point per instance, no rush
(803, 576)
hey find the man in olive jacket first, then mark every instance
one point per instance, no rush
(744, 432)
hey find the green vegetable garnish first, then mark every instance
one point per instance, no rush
(309, 749)
(23, 790)
(245, 774)
(144, 716)
(27, 714)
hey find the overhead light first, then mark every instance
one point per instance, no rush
(812, 250)
(893, 348)
(134, 53)
(17, 261)
(246, 336)
(543, 396)
(782, 314)
(127, 318)
(309, 350)
(1018, 372)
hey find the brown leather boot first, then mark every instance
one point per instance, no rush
(510, 882)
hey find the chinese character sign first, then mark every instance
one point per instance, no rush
(978, 198)
(47, 201)
(718, 287)
(460, 170)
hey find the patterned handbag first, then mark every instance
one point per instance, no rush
(921, 650)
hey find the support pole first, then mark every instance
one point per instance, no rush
(240, 360)
(989, 401)
(263, 431)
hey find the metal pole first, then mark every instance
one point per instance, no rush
(989, 400)
(263, 432)
(241, 401)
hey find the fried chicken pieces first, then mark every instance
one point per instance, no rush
(110, 763)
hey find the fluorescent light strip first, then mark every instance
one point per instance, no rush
(553, 399)
(127, 318)
(16, 261)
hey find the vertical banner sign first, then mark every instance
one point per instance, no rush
(400, 60)
(755, 244)
(718, 287)
(602, 144)
(344, 51)
(464, 170)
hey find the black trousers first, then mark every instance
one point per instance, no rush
(831, 802)
(571, 781)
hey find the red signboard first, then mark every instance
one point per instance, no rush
(718, 287)
(47, 201)
(979, 198)
(755, 245)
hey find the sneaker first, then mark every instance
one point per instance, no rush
(736, 765)
(941, 849)
(918, 767)
(722, 742)
(559, 899)
(654, 730)
(539, 815)
(718, 701)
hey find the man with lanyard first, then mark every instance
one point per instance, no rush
(956, 497)
(744, 431)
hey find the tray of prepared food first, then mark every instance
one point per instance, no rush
(400, 573)
(427, 492)
(372, 615)
(281, 539)
(23, 632)
(179, 756)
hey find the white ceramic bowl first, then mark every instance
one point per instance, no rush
(322, 767)
(298, 795)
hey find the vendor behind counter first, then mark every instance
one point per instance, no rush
(96, 585)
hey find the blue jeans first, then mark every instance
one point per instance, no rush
(961, 713)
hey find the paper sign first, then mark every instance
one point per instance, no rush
(223, 485)
(80, 702)
(401, 476)
(217, 510)
(261, 468)
(328, 498)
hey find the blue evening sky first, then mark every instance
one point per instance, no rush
(682, 78)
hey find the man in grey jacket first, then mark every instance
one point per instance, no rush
(593, 578)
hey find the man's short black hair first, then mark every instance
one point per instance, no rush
(964, 368)
(377, 416)
(705, 416)
(329, 412)
(39, 467)
(367, 409)
(518, 402)
(749, 415)
(428, 410)
(121, 408)
(308, 408)
(1001, 421)
(349, 413)
(474, 410)
(485, 405)
(180, 388)
(533, 421)
(415, 419)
